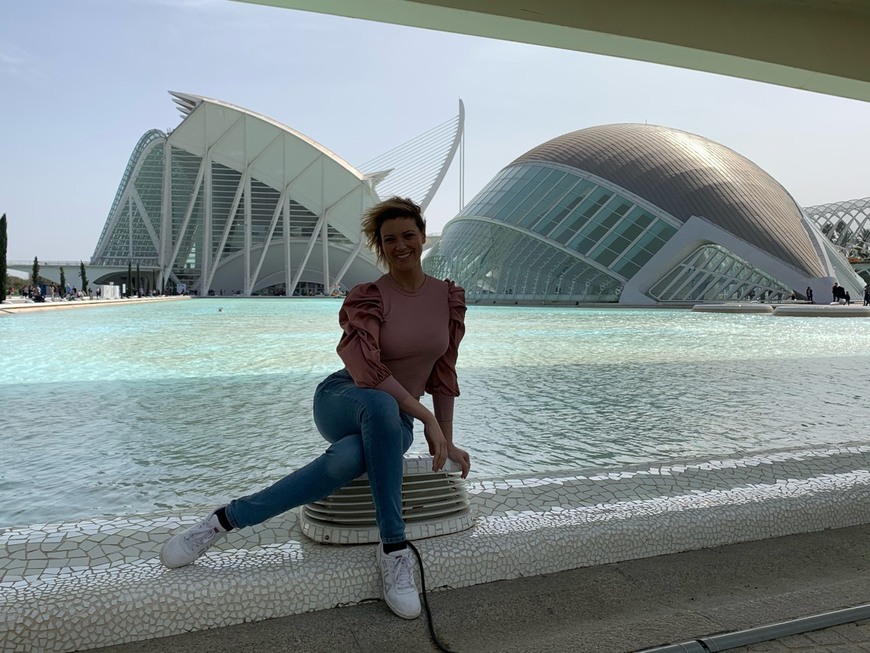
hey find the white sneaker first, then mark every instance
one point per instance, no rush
(400, 591)
(191, 543)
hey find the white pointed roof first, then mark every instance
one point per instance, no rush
(277, 156)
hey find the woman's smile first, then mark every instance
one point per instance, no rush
(402, 242)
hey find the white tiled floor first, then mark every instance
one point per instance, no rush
(82, 585)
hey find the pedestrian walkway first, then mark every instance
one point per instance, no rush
(95, 583)
(615, 608)
(19, 307)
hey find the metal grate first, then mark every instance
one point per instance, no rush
(433, 503)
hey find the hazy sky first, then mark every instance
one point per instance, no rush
(81, 81)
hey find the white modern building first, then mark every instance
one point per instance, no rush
(847, 225)
(233, 202)
(641, 215)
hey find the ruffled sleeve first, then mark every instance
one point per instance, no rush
(442, 383)
(360, 319)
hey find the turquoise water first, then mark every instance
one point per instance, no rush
(131, 409)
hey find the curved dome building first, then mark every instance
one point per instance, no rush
(635, 214)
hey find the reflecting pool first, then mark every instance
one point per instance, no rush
(136, 408)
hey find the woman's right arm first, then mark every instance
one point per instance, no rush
(438, 444)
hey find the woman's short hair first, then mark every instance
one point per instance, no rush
(391, 208)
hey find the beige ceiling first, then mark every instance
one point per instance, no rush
(817, 45)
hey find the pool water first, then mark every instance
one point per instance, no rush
(116, 410)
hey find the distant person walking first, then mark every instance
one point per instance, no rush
(867, 295)
(835, 293)
(809, 294)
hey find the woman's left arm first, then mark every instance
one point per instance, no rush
(454, 453)
(442, 383)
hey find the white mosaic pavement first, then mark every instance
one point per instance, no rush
(76, 586)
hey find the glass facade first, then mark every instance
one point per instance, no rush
(712, 273)
(538, 231)
(498, 263)
(845, 224)
(232, 200)
(137, 223)
(643, 214)
(684, 175)
(132, 235)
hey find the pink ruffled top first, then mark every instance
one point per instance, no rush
(404, 342)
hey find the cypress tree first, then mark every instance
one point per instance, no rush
(84, 276)
(138, 281)
(62, 281)
(129, 277)
(34, 273)
(3, 258)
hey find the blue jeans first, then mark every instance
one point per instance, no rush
(368, 433)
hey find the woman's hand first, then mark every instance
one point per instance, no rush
(437, 444)
(460, 457)
(439, 436)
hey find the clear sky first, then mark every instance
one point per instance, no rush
(81, 81)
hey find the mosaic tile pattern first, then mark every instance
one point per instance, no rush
(75, 586)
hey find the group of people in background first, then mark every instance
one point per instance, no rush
(842, 296)
(53, 291)
(838, 293)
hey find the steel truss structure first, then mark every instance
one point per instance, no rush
(846, 224)
(231, 201)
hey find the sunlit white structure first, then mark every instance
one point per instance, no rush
(846, 224)
(231, 201)
(636, 214)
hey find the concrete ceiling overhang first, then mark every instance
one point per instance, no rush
(815, 45)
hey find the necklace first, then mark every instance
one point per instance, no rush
(416, 281)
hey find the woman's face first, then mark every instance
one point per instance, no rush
(402, 242)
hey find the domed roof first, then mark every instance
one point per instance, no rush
(685, 175)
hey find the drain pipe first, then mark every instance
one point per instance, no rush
(726, 641)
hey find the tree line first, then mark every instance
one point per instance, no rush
(35, 279)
